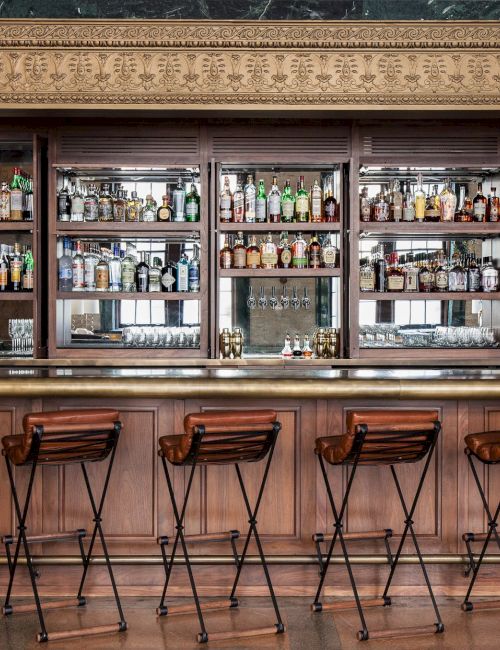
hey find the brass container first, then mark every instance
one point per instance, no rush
(319, 343)
(225, 343)
(237, 343)
(333, 343)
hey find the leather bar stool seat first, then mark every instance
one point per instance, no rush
(486, 446)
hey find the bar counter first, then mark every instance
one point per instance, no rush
(310, 402)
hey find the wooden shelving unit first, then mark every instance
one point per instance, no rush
(117, 228)
(447, 229)
(432, 295)
(279, 273)
(308, 227)
(123, 295)
(25, 296)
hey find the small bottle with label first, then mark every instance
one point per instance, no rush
(284, 252)
(365, 206)
(261, 204)
(249, 197)
(366, 275)
(314, 252)
(287, 204)
(193, 205)
(316, 203)
(489, 276)
(396, 205)
(154, 276)
(164, 212)
(420, 200)
(411, 275)
(225, 202)
(102, 275)
(306, 350)
(91, 204)
(226, 254)
(330, 204)
(239, 252)
(194, 271)
(286, 352)
(299, 252)
(238, 204)
(381, 208)
(119, 206)
(329, 252)
(142, 273)
(253, 254)
(269, 253)
(493, 206)
(63, 205)
(302, 202)
(179, 201)
(473, 275)
(408, 204)
(149, 212)
(168, 277)
(78, 267)
(4, 202)
(395, 276)
(105, 205)
(274, 203)
(441, 276)
(479, 204)
(183, 274)
(77, 203)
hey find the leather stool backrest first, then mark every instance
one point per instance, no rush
(220, 437)
(68, 436)
(395, 436)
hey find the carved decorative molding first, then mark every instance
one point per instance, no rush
(256, 64)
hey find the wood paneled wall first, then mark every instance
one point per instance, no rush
(294, 506)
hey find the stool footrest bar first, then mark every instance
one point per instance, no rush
(55, 604)
(483, 604)
(351, 604)
(240, 634)
(84, 631)
(355, 537)
(48, 537)
(422, 630)
(225, 536)
(475, 537)
(191, 608)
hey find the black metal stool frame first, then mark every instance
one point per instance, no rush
(193, 460)
(467, 606)
(357, 450)
(97, 519)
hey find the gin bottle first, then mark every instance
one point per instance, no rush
(274, 202)
(179, 201)
(261, 204)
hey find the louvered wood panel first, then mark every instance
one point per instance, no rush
(387, 145)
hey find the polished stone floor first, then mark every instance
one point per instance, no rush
(306, 631)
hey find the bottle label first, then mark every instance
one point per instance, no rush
(65, 273)
(27, 280)
(90, 211)
(448, 208)
(194, 278)
(119, 212)
(286, 257)
(409, 213)
(225, 208)
(16, 203)
(77, 207)
(419, 208)
(316, 208)
(490, 280)
(381, 212)
(411, 281)
(474, 279)
(167, 280)
(62, 206)
(260, 210)
(367, 282)
(269, 257)
(441, 280)
(250, 208)
(253, 259)
(142, 279)
(182, 277)
(78, 276)
(299, 255)
(329, 256)
(105, 209)
(330, 208)
(192, 212)
(240, 257)
(364, 210)
(426, 280)
(5, 207)
(239, 208)
(315, 259)
(274, 205)
(395, 282)
(102, 278)
(302, 205)
(494, 216)
(288, 210)
(479, 211)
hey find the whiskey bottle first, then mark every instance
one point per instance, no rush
(183, 274)
(287, 204)
(330, 206)
(194, 270)
(284, 252)
(365, 208)
(395, 276)
(193, 205)
(105, 205)
(225, 200)
(239, 252)
(226, 255)
(366, 275)
(457, 276)
(425, 278)
(432, 207)
(4, 202)
(179, 201)
(489, 276)
(447, 203)
(316, 203)
(314, 252)
(302, 202)
(494, 206)
(119, 206)
(16, 197)
(479, 204)
(329, 252)
(238, 204)
(28, 201)
(408, 204)
(274, 202)
(78, 268)
(142, 273)
(253, 254)
(411, 275)
(381, 208)
(299, 252)
(269, 253)
(102, 275)
(261, 204)
(128, 270)
(164, 212)
(420, 200)
(77, 203)
(380, 267)
(441, 277)
(396, 205)
(250, 195)
(473, 275)
(91, 204)
(4, 269)
(133, 213)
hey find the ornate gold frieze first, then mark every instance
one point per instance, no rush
(282, 64)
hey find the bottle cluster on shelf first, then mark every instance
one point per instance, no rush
(251, 204)
(110, 202)
(95, 267)
(325, 345)
(424, 272)
(231, 343)
(272, 253)
(16, 197)
(16, 268)
(396, 203)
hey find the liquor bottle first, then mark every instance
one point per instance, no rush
(134, 208)
(447, 203)
(468, 208)
(16, 197)
(380, 267)
(194, 270)
(299, 252)
(365, 207)
(287, 348)
(65, 267)
(154, 276)
(90, 260)
(296, 350)
(381, 208)
(90, 204)
(261, 204)
(473, 275)
(302, 202)
(425, 278)
(306, 350)
(119, 206)
(4, 202)
(457, 276)
(28, 201)
(182, 279)
(105, 205)
(432, 207)
(226, 254)
(408, 204)
(192, 205)
(419, 200)
(115, 270)
(4, 270)
(238, 204)
(479, 204)
(274, 202)
(102, 274)
(366, 275)
(77, 203)
(489, 276)
(128, 270)
(28, 271)
(441, 276)
(239, 252)
(284, 252)
(78, 267)
(316, 203)
(396, 205)
(249, 192)
(225, 200)
(268, 253)
(253, 254)
(63, 213)
(142, 273)
(494, 206)
(179, 201)
(330, 205)
(411, 273)
(164, 212)
(395, 276)
(314, 252)
(287, 204)
(169, 277)
(329, 252)
(16, 269)
(149, 212)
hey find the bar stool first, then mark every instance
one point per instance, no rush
(61, 438)
(379, 437)
(485, 447)
(219, 438)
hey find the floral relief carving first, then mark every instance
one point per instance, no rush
(51, 63)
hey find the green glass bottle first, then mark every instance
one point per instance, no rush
(261, 204)
(193, 204)
(287, 204)
(302, 202)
